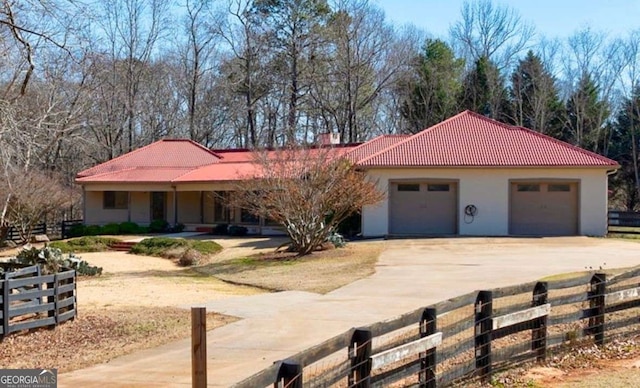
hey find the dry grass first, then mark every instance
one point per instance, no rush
(97, 336)
(319, 272)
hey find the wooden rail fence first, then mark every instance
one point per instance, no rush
(29, 300)
(467, 337)
(623, 222)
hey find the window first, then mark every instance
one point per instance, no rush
(528, 187)
(221, 212)
(409, 187)
(559, 188)
(438, 187)
(115, 200)
(248, 218)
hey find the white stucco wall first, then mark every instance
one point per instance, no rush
(97, 215)
(140, 207)
(488, 190)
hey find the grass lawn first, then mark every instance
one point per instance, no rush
(319, 272)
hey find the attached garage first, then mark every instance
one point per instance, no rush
(539, 208)
(423, 208)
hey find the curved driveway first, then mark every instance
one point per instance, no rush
(409, 274)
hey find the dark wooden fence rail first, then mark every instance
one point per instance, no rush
(623, 222)
(29, 300)
(467, 337)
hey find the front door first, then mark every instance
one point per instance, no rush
(158, 205)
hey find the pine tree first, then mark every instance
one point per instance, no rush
(483, 91)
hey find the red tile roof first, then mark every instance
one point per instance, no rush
(470, 139)
(137, 175)
(374, 146)
(220, 172)
(161, 154)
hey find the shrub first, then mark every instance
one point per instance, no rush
(337, 240)
(84, 244)
(50, 260)
(77, 230)
(158, 226)
(156, 245)
(177, 228)
(221, 229)
(190, 257)
(129, 227)
(111, 229)
(168, 247)
(236, 230)
(93, 230)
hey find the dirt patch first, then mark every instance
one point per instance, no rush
(131, 280)
(97, 336)
(319, 272)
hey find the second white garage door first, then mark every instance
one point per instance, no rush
(423, 208)
(544, 208)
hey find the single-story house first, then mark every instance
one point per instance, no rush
(469, 175)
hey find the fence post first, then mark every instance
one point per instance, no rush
(53, 299)
(428, 360)
(360, 355)
(5, 307)
(539, 332)
(198, 347)
(289, 375)
(483, 330)
(597, 307)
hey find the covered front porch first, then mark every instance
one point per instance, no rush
(197, 207)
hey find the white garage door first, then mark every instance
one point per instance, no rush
(544, 209)
(423, 208)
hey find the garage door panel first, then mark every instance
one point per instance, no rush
(544, 208)
(423, 208)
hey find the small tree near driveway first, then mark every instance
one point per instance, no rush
(307, 190)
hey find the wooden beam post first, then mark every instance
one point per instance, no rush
(360, 356)
(428, 360)
(198, 347)
(539, 332)
(597, 307)
(289, 375)
(483, 329)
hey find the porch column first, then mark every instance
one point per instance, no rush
(175, 206)
(201, 207)
(128, 206)
(84, 204)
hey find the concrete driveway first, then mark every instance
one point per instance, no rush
(410, 274)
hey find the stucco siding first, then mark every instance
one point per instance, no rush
(97, 215)
(140, 207)
(488, 190)
(189, 207)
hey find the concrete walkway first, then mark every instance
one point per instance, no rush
(410, 274)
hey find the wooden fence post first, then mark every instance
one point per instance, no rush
(597, 307)
(289, 375)
(198, 347)
(360, 355)
(5, 307)
(483, 329)
(539, 332)
(53, 299)
(428, 359)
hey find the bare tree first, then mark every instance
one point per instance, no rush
(308, 191)
(491, 31)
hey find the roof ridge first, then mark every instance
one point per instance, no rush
(429, 129)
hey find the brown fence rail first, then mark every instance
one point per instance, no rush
(623, 222)
(29, 300)
(467, 337)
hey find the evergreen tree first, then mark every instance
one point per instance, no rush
(624, 149)
(534, 97)
(585, 116)
(483, 91)
(434, 91)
